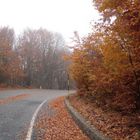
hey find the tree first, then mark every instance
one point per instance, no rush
(124, 21)
(41, 53)
(10, 69)
(106, 64)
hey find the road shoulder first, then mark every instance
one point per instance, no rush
(54, 122)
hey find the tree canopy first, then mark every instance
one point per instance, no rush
(106, 64)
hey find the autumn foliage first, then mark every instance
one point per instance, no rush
(10, 66)
(106, 64)
(32, 59)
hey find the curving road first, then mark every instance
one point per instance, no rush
(15, 116)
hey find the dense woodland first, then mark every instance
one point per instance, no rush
(33, 59)
(106, 64)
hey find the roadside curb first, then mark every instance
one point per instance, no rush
(85, 126)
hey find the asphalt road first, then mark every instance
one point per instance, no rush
(15, 116)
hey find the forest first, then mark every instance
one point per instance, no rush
(34, 58)
(101, 67)
(106, 63)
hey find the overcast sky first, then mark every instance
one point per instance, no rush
(63, 16)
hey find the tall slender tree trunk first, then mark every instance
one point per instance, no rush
(137, 83)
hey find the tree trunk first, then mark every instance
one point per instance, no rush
(137, 83)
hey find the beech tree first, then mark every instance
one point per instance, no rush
(106, 64)
(34, 58)
(41, 53)
(126, 27)
(10, 68)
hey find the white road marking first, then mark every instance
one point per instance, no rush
(30, 130)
